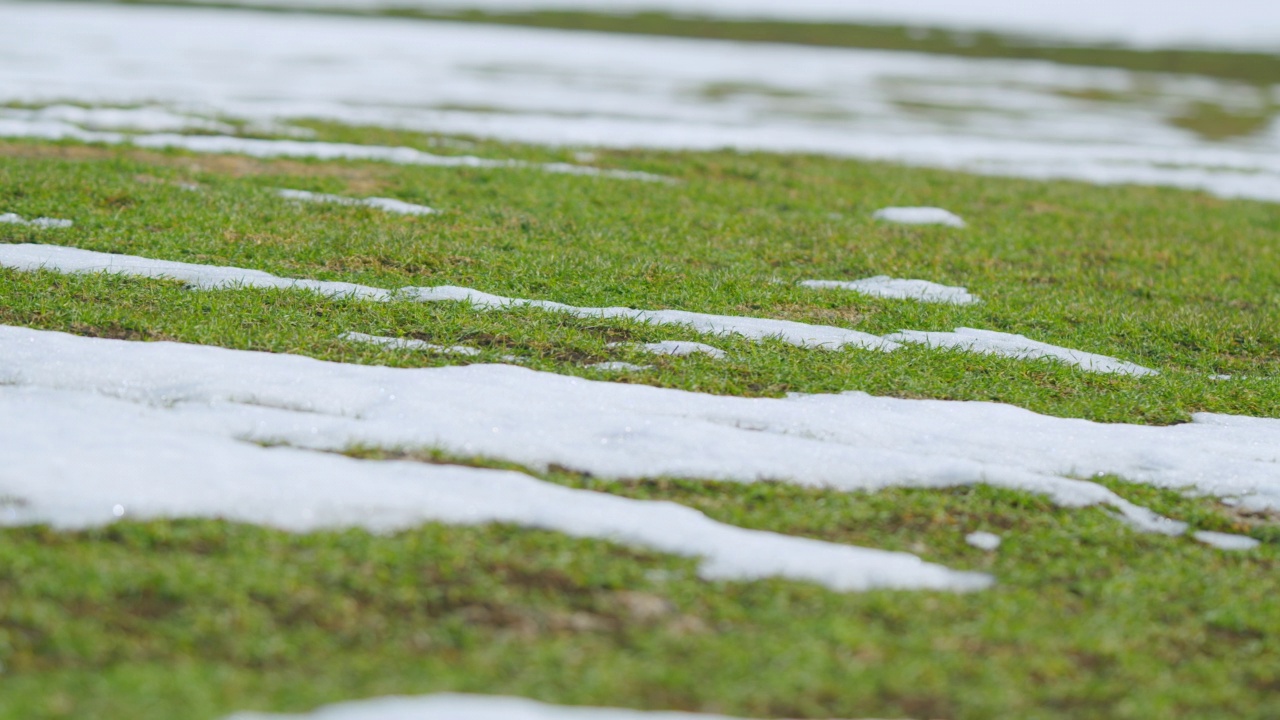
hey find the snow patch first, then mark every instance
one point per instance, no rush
(32, 257)
(449, 706)
(409, 344)
(991, 342)
(848, 441)
(919, 216)
(887, 287)
(1226, 541)
(983, 540)
(388, 204)
(40, 222)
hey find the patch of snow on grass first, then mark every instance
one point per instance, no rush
(32, 257)
(919, 216)
(388, 204)
(449, 706)
(887, 287)
(1226, 541)
(139, 119)
(1010, 118)
(40, 222)
(1017, 346)
(674, 347)
(983, 540)
(410, 344)
(849, 441)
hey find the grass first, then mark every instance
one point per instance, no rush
(199, 618)
(1258, 68)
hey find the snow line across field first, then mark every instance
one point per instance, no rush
(849, 441)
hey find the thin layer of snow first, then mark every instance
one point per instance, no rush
(449, 706)
(983, 540)
(1017, 346)
(1226, 541)
(1229, 24)
(674, 347)
(919, 216)
(410, 344)
(135, 119)
(33, 257)
(40, 222)
(849, 441)
(1016, 118)
(887, 287)
(388, 204)
(615, 366)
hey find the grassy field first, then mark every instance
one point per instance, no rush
(196, 619)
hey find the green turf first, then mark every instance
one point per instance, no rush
(1257, 68)
(1088, 619)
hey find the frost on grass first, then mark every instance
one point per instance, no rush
(410, 344)
(33, 257)
(614, 366)
(991, 342)
(388, 204)
(983, 540)
(847, 441)
(449, 706)
(674, 347)
(919, 216)
(887, 287)
(40, 222)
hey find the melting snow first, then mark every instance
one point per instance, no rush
(849, 441)
(919, 216)
(1015, 118)
(1226, 541)
(32, 257)
(448, 706)
(409, 344)
(674, 347)
(887, 287)
(40, 222)
(983, 540)
(381, 203)
(1017, 346)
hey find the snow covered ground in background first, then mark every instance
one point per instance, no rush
(1236, 24)
(999, 117)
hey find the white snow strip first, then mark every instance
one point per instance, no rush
(32, 257)
(410, 344)
(919, 216)
(849, 441)
(674, 347)
(40, 222)
(1012, 118)
(388, 204)
(136, 119)
(1226, 541)
(887, 287)
(137, 461)
(615, 366)
(983, 540)
(449, 706)
(1231, 24)
(991, 342)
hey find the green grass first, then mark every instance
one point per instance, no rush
(1256, 68)
(196, 619)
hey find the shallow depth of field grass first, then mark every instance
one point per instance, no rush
(1258, 68)
(196, 619)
